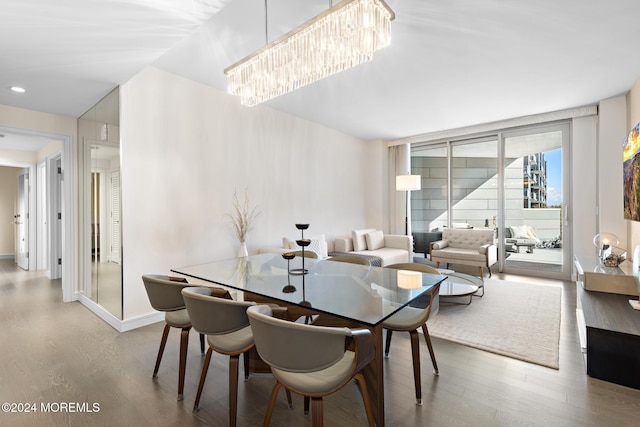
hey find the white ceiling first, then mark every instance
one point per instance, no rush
(451, 63)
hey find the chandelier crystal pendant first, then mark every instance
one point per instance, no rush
(340, 38)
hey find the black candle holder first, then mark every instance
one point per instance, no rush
(304, 302)
(302, 227)
(288, 256)
(302, 243)
(289, 288)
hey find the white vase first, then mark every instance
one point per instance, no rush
(243, 250)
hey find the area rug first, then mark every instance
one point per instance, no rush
(514, 319)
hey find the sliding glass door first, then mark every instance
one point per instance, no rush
(510, 182)
(534, 225)
(474, 183)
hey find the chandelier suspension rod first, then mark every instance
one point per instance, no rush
(266, 23)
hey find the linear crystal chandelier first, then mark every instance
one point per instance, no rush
(340, 38)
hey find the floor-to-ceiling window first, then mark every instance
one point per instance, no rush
(534, 225)
(510, 181)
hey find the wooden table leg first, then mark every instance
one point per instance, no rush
(373, 373)
(374, 376)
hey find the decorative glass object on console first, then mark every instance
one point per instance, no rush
(608, 252)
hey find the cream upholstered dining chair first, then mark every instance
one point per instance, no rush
(310, 360)
(412, 317)
(352, 259)
(165, 295)
(225, 323)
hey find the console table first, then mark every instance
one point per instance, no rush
(609, 328)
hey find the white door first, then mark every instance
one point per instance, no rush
(22, 220)
(56, 231)
(41, 228)
(115, 216)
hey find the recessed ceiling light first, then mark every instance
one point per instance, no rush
(18, 89)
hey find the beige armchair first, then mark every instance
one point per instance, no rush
(466, 246)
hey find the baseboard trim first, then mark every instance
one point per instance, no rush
(114, 322)
(7, 256)
(141, 321)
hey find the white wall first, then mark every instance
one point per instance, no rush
(186, 147)
(612, 128)
(49, 150)
(583, 184)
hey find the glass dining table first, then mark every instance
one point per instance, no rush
(335, 293)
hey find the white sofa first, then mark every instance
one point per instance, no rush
(390, 248)
(467, 247)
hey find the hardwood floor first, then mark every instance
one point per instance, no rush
(55, 353)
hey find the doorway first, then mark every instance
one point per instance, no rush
(534, 223)
(15, 145)
(21, 220)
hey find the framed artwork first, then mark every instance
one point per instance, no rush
(631, 172)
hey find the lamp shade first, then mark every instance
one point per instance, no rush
(409, 279)
(408, 182)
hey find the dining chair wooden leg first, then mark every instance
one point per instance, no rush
(387, 345)
(163, 342)
(289, 400)
(272, 403)
(317, 412)
(234, 362)
(245, 359)
(202, 343)
(427, 338)
(203, 376)
(415, 354)
(184, 343)
(365, 398)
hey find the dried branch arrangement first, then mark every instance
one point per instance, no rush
(243, 216)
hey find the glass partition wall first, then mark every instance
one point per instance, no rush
(510, 182)
(99, 135)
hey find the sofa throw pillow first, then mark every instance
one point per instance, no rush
(519, 231)
(375, 240)
(359, 239)
(460, 225)
(318, 245)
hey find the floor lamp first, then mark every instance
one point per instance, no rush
(407, 183)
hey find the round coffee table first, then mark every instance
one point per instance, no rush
(460, 285)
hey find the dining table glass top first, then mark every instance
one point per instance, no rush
(360, 293)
